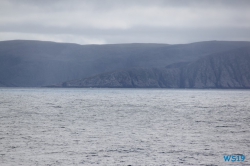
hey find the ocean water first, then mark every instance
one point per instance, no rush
(123, 126)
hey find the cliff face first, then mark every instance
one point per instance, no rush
(230, 69)
(36, 63)
(132, 78)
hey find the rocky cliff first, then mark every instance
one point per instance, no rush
(229, 69)
(35, 63)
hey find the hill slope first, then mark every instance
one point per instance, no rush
(228, 69)
(36, 63)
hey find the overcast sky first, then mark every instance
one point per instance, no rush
(125, 21)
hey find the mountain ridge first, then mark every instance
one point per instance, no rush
(229, 69)
(26, 63)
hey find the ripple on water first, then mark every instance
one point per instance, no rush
(123, 126)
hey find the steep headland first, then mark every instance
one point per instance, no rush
(229, 69)
(25, 63)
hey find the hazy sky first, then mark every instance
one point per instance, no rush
(125, 21)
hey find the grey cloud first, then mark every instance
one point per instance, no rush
(122, 3)
(119, 21)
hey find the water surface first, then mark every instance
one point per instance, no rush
(123, 126)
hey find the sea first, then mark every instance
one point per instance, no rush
(123, 127)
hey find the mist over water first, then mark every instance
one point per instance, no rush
(123, 126)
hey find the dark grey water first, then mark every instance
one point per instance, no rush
(123, 126)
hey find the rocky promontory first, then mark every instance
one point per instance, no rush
(228, 69)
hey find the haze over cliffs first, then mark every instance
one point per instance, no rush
(211, 64)
(230, 69)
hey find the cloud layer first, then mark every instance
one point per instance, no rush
(119, 21)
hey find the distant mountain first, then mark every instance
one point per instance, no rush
(25, 63)
(229, 69)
